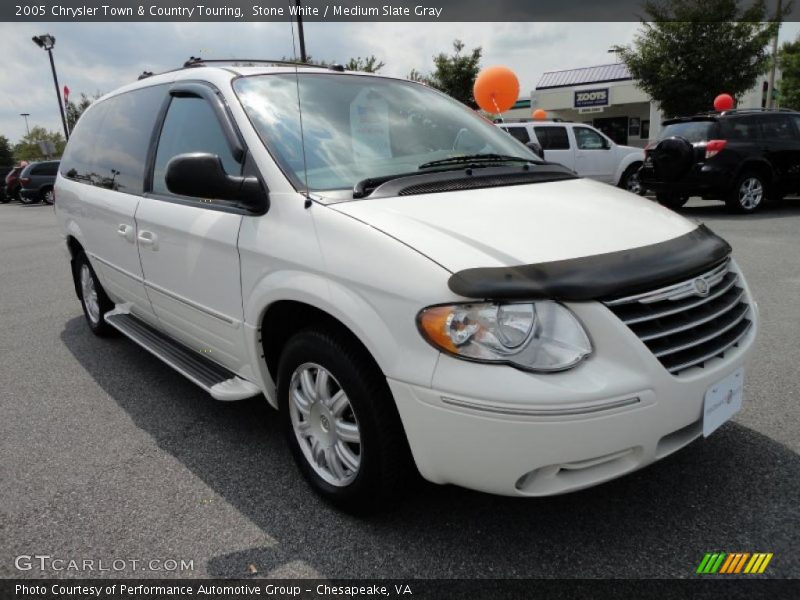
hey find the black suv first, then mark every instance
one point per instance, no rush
(743, 157)
(37, 180)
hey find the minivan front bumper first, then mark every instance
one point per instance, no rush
(500, 430)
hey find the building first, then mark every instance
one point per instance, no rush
(606, 97)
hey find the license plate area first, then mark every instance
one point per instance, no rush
(722, 401)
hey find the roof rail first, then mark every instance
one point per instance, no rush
(196, 61)
(755, 110)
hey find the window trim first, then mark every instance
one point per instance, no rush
(233, 136)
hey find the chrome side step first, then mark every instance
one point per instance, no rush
(218, 381)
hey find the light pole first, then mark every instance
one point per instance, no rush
(25, 116)
(300, 32)
(47, 42)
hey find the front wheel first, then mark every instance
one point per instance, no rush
(748, 195)
(341, 422)
(631, 180)
(48, 196)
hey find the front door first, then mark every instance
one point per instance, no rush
(188, 246)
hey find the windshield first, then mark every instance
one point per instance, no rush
(357, 127)
(694, 131)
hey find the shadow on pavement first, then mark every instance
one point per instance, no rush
(736, 491)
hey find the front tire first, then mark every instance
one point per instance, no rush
(748, 194)
(631, 181)
(48, 196)
(94, 301)
(341, 422)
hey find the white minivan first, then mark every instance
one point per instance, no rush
(407, 284)
(584, 149)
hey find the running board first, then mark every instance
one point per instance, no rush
(218, 381)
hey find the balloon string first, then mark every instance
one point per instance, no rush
(499, 112)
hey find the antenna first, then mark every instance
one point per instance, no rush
(300, 113)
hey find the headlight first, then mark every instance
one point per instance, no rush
(536, 336)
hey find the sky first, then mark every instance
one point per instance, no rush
(99, 57)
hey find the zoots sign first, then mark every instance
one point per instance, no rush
(595, 97)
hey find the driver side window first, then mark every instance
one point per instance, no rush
(190, 126)
(588, 139)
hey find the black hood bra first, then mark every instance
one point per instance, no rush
(601, 276)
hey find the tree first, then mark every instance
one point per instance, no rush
(6, 156)
(75, 109)
(370, 64)
(454, 75)
(28, 147)
(789, 62)
(687, 52)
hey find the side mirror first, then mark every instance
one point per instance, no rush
(201, 175)
(536, 148)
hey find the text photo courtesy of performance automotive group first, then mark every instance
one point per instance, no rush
(369, 301)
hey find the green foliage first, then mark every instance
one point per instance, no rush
(687, 52)
(6, 154)
(789, 86)
(28, 148)
(455, 74)
(75, 109)
(370, 64)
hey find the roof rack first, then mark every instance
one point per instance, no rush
(196, 61)
(756, 110)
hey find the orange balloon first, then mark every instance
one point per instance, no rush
(496, 89)
(540, 114)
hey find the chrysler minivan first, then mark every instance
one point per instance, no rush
(411, 287)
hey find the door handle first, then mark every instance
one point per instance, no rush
(126, 231)
(148, 238)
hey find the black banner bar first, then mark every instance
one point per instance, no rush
(334, 10)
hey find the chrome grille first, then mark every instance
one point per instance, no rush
(691, 322)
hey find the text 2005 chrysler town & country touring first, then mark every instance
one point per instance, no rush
(405, 282)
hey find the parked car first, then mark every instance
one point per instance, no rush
(408, 285)
(584, 149)
(744, 157)
(36, 182)
(12, 185)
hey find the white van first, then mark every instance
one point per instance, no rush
(584, 149)
(409, 286)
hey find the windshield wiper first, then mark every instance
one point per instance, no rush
(475, 159)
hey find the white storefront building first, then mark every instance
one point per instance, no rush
(606, 97)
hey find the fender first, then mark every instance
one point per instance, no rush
(326, 295)
(758, 163)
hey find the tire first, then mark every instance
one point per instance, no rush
(5, 198)
(47, 196)
(94, 301)
(363, 461)
(27, 199)
(630, 180)
(673, 201)
(748, 194)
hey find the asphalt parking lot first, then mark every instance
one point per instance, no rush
(107, 453)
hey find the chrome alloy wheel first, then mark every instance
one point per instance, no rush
(751, 192)
(89, 294)
(325, 424)
(633, 183)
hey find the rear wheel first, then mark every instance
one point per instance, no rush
(671, 200)
(341, 422)
(93, 298)
(749, 193)
(25, 199)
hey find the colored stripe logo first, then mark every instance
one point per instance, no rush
(732, 563)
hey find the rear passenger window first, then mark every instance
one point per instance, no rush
(520, 133)
(777, 127)
(50, 168)
(745, 128)
(109, 145)
(552, 138)
(190, 126)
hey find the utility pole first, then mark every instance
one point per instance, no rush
(771, 81)
(303, 57)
